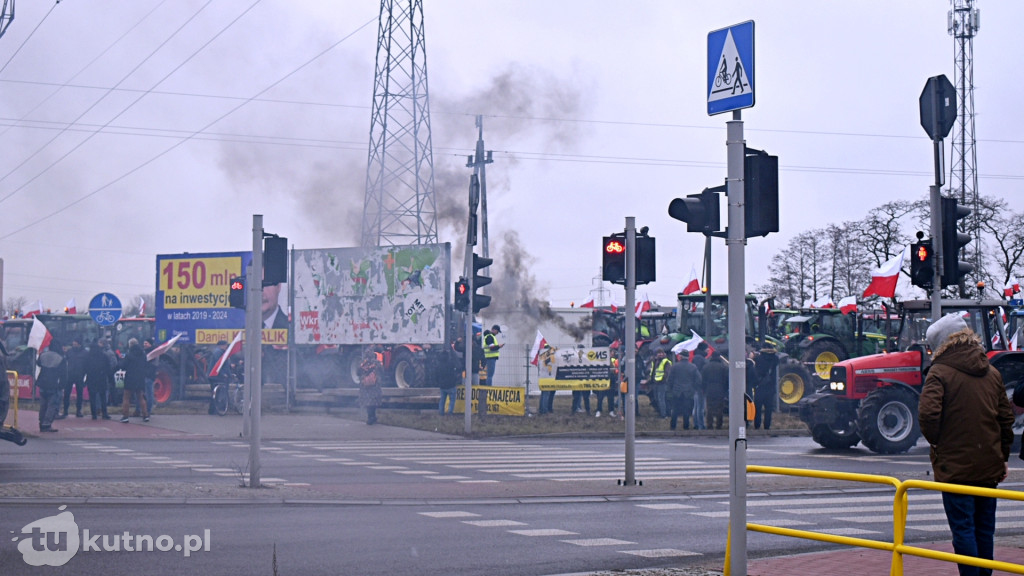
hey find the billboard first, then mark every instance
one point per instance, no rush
(575, 369)
(376, 295)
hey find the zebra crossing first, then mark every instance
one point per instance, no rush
(476, 461)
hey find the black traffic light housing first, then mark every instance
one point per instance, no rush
(462, 295)
(760, 193)
(275, 260)
(645, 260)
(922, 263)
(236, 292)
(480, 301)
(700, 211)
(613, 258)
(953, 269)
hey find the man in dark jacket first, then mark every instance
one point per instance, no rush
(684, 379)
(75, 356)
(968, 421)
(766, 390)
(50, 384)
(135, 368)
(97, 375)
(715, 377)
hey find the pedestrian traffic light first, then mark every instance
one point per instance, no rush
(700, 211)
(275, 260)
(922, 264)
(462, 295)
(953, 270)
(480, 301)
(760, 193)
(645, 261)
(236, 294)
(613, 259)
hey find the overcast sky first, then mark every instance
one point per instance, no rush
(149, 127)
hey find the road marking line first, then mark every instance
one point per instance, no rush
(493, 523)
(598, 542)
(450, 514)
(660, 553)
(543, 532)
(666, 506)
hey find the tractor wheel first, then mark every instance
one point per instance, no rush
(794, 383)
(1018, 411)
(350, 361)
(887, 420)
(407, 372)
(836, 437)
(820, 357)
(163, 386)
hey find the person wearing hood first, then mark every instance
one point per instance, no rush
(967, 419)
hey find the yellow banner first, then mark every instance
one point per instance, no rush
(197, 282)
(270, 336)
(500, 400)
(574, 369)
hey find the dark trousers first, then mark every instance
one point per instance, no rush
(547, 401)
(580, 399)
(608, 394)
(683, 406)
(972, 520)
(79, 392)
(716, 410)
(765, 407)
(97, 399)
(49, 405)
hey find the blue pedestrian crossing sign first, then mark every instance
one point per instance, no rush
(731, 68)
(105, 309)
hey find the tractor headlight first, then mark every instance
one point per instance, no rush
(837, 386)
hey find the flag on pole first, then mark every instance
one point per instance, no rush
(233, 348)
(693, 285)
(142, 307)
(588, 304)
(883, 279)
(538, 344)
(848, 304)
(643, 306)
(38, 309)
(159, 351)
(688, 345)
(71, 307)
(39, 337)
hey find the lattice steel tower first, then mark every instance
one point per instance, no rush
(964, 22)
(399, 207)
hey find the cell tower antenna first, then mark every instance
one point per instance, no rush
(7, 15)
(964, 21)
(399, 207)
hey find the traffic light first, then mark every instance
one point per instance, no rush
(236, 295)
(953, 270)
(645, 267)
(480, 301)
(760, 193)
(275, 260)
(613, 259)
(462, 295)
(699, 211)
(922, 264)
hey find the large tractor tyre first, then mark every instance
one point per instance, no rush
(887, 420)
(350, 362)
(406, 371)
(163, 386)
(1018, 411)
(836, 437)
(794, 383)
(820, 357)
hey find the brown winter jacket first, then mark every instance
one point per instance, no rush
(965, 414)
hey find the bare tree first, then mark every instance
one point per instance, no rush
(850, 264)
(797, 271)
(882, 230)
(1003, 240)
(14, 304)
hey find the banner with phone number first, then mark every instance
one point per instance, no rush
(574, 369)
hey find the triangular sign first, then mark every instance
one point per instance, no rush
(732, 78)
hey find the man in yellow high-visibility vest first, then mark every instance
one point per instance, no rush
(491, 351)
(658, 381)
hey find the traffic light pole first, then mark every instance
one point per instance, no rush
(253, 348)
(736, 244)
(629, 341)
(936, 219)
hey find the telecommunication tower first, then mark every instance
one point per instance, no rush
(963, 24)
(399, 206)
(6, 15)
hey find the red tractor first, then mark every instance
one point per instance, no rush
(873, 399)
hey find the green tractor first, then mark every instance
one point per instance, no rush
(820, 337)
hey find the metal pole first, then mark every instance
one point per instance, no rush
(253, 345)
(707, 284)
(936, 229)
(736, 242)
(629, 341)
(293, 369)
(468, 339)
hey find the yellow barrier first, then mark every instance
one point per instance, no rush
(900, 506)
(12, 379)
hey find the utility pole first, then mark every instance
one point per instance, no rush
(253, 349)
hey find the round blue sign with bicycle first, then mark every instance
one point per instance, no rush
(105, 309)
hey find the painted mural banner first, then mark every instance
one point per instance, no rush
(574, 368)
(376, 295)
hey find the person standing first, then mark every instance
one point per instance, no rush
(135, 367)
(440, 371)
(371, 375)
(700, 356)
(658, 380)
(151, 368)
(767, 389)
(967, 419)
(75, 357)
(223, 376)
(715, 377)
(492, 349)
(684, 379)
(50, 383)
(97, 376)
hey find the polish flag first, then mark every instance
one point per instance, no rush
(643, 306)
(32, 312)
(71, 307)
(588, 304)
(883, 279)
(689, 345)
(1011, 287)
(39, 337)
(823, 302)
(693, 285)
(142, 307)
(159, 351)
(848, 304)
(234, 348)
(538, 344)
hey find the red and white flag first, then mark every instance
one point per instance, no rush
(142, 307)
(884, 278)
(159, 351)
(71, 307)
(823, 302)
(39, 337)
(688, 345)
(233, 348)
(538, 344)
(588, 304)
(848, 304)
(642, 306)
(38, 309)
(693, 285)
(1012, 287)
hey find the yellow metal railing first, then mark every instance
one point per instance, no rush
(12, 379)
(900, 507)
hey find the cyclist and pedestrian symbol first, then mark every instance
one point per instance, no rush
(105, 309)
(734, 80)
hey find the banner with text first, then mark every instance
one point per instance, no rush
(575, 369)
(500, 400)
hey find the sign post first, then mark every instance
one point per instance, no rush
(938, 112)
